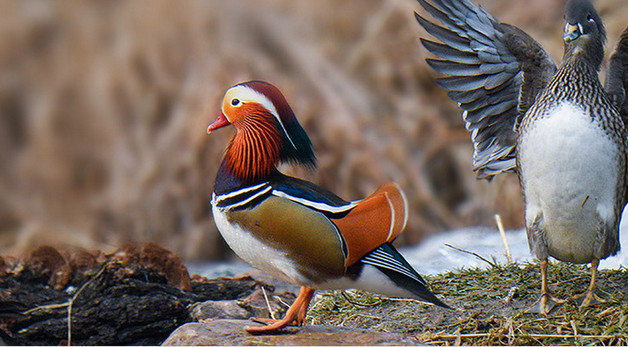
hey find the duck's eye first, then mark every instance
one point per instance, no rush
(590, 18)
(235, 101)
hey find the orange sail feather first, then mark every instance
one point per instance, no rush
(377, 219)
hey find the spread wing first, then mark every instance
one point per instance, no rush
(617, 75)
(493, 70)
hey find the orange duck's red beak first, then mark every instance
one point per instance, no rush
(220, 122)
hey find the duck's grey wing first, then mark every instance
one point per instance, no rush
(617, 88)
(617, 75)
(493, 70)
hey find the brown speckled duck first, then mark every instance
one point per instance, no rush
(556, 126)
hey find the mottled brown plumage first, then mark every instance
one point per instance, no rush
(557, 127)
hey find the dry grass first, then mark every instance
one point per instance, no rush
(104, 107)
(490, 309)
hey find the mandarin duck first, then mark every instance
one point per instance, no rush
(293, 229)
(557, 127)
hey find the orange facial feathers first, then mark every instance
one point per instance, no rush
(255, 149)
(376, 220)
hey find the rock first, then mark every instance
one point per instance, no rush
(218, 309)
(254, 305)
(258, 304)
(231, 332)
(223, 288)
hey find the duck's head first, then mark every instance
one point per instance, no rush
(267, 131)
(584, 31)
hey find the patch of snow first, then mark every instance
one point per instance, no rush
(432, 256)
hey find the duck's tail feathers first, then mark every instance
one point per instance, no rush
(390, 262)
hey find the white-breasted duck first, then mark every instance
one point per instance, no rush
(293, 229)
(556, 126)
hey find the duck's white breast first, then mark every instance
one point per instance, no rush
(568, 167)
(255, 252)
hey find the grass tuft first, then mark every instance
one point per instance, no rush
(490, 308)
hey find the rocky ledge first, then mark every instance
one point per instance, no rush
(222, 332)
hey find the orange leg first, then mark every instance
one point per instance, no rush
(589, 297)
(546, 302)
(295, 315)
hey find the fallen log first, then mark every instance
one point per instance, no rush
(131, 297)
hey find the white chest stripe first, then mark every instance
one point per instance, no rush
(312, 204)
(222, 197)
(316, 205)
(251, 198)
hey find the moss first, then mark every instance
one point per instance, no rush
(491, 308)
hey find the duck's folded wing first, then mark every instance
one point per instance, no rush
(493, 70)
(315, 197)
(617, 75)
(362, 225)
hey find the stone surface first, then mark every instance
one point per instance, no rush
(218, 309)
(259, 302)
(231, 332)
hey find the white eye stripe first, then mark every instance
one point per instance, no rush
(246, 94)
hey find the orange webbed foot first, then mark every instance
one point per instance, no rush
(294, 317)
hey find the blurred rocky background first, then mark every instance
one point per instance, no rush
(104, 106)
